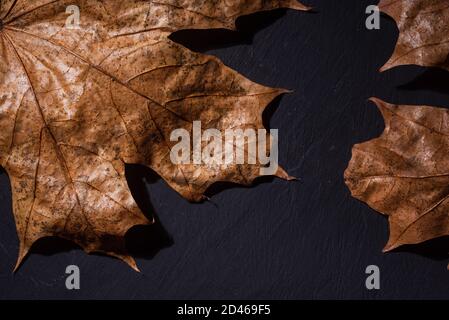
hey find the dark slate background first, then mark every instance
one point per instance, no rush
(278, 240)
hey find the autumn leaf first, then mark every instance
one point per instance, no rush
(78, 102)
(404, 174)
(424, 32)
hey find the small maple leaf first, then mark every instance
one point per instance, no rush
(76, 104)
(424, 32)
(404, 174)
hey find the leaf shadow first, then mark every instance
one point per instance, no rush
(50, 246)
(435, 249)
(246, 27)
(270, 110)
(145, 241)
(432, 79)
(219, 187)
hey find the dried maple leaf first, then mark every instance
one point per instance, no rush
(424, 32)
(76, 104)
(404, 174)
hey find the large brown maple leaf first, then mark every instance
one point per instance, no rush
(404, 174)
(424, 32)
(76, 104)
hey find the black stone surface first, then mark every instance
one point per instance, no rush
(277, 240)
